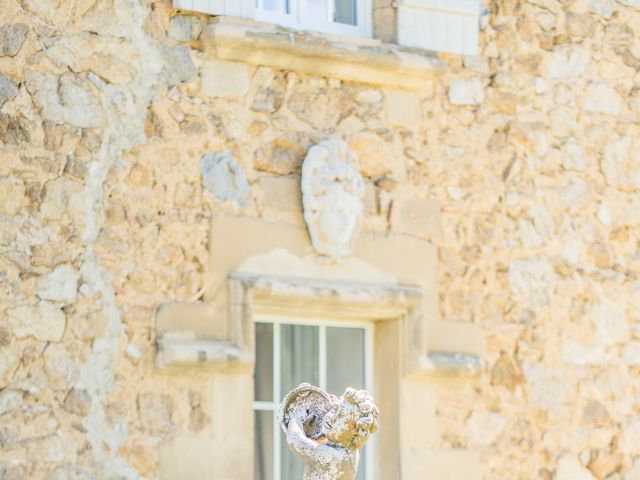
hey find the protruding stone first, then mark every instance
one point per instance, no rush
(224, 177)
(45, 322)
(61, 285)
(12, 37)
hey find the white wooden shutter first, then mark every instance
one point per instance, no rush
(234, 8)
(440, 25)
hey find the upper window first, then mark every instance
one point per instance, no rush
(331, 355)
(333, 16)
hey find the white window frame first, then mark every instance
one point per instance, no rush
(322, 323)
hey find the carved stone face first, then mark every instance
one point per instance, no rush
(332, 191)
(351, 420)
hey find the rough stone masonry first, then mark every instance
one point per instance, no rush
(529, 153)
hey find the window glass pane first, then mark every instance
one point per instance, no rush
(263, 375)
(292, 466)
(263, 451)
(345, 12)
(280, 6)
(315, 11)
(362, 466)
(299, 357)
(345, 359)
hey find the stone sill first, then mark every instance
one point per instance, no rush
(357, 60)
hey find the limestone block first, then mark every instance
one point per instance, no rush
(77, 402)
(52, 449)
(566, 61)
(416, 216)
(322, 109)
(45, 322)
(8, 89)
(282, 194)
(178, 66)
(224, 79)
(477, 63)
(570, 468)
(284, 155)
(602, 98)
(12, 36)
(184, 28)
(63, 201)
(466, 92)
(483, 428)
(610, 321)
(403, 109)
(66, 99)
(12, 195)
(61, 285)
(531, 279)
(224, 177)
(154, 411)
(548, 388)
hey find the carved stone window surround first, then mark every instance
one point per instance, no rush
(353, 59)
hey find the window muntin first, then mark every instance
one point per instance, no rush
(292, 351)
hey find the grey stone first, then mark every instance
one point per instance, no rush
(223, 177)
(8, 89)
(65, 99)
(184, 28)
(11, 38)
(178, 65)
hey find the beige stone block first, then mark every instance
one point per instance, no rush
(402, 109)
(445, 464)
(384, 21)
(282, 197)
(416, 216)
(224, 79)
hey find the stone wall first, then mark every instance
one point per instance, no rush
(527, 155)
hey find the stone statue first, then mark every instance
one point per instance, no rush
(326, 431)
(332, 192)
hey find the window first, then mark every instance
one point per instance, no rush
(333, 16)
(332, 355)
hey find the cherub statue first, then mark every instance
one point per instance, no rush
(325, 432)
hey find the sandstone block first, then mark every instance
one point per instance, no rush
(282, 194)
(322, 109)
(178, 66)
(61, 285)
(224, 177)
(466, 92)
(375, 156)
(60, 367)
(619, 164)
(66, 99)
(566, 61)
(8, 89)
(284, 155)
(570, 468)
(12, 37)
(224, 79)
(9, 401)
(610, 321)
(402, 109)
(77, 402)
(630, 441)
(45, 322)
(416, 216)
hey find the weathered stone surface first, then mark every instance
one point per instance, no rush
(466, 92)
(570, 468)
(9, 401)
(322, 110)
(374, 154)
(60, 285)
(13, 195)
(9, 362)
(223, 177)
(566, 61)
(224, 79)
(60, 367)
(602, 98)
(179, 67)
(403, 109)
(8, 89)
(45, 322)
(77, 402)
(616, 167)
(284, 155)
(155, 412)
(13, 129)
(66, 99)
(12, 36)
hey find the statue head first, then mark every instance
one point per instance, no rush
(352, 419)
(332, 192)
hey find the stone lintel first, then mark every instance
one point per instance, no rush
(357, 60)
(451, 364)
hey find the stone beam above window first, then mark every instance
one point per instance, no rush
(352, 59)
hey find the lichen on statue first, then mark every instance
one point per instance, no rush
(345, 426)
